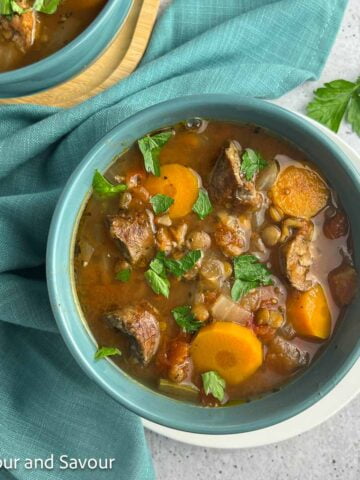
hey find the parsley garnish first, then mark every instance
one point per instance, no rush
(103, 352)
(185, 319)
(202, 207)
(161, 203)
(252, 163)
(182, 265)
(214, 384)
(150, 148)
(104, 188)
(123, 275)
(157, 279)
(334, 101)
(249, 273)
(160, 266)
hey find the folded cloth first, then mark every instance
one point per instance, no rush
(260, 48)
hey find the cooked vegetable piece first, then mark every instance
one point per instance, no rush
(214, 385)
(177, 182)
(161, 203)
(202, 207)
(104, 188)
(103, 352)
(178, 359)
(309, 313)
(299, 192)
(182, 392)
(227, 310)
(150, 147)
(233, 351)
(343, 282)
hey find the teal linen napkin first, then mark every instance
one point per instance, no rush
(260, 48)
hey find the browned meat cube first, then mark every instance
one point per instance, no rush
(134, 235)
(139, 323)
(21, 29)
(227, 183)
(296, 253)
(336, 226)
(285, 357)
(343, 284)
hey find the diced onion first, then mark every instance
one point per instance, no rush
(226, 310)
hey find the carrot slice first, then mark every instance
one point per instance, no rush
(177, 182)
(299, 192)
(229, 349)
(309, 313)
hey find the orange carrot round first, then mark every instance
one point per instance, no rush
(233, 351)
(177, 182)
(299, 192)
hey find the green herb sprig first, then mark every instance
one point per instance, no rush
(186, 319)
(214, 384)
(335, 101)
(249, 273)
(103, 352)
(150, 147)
(252, 163)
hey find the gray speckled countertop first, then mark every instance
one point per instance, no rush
(328, 452)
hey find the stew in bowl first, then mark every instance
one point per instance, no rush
(214, 260)
(213, 264)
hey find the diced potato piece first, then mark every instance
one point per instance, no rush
(233, 351)
(299, 192)
(309, 313)
(177, 182)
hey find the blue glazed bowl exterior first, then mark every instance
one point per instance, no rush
(318, 380)
(70, 60)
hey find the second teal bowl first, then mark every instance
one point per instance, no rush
(70, 60)
(318, 380)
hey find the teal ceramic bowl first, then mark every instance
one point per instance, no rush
(318, 380)
(70, 60)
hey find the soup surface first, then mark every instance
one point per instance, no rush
(33, 35)
(213, 262)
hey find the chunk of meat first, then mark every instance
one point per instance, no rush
(285, 357)
(179, 361)
(228, 185)
(343, 282)
(232, 234)
(134, 235)
(20, 29)
(336, 226)
(141, 325)
(296, 254)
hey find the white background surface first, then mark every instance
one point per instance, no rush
(330, 451)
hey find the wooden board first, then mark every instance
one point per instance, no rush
(117, 62)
